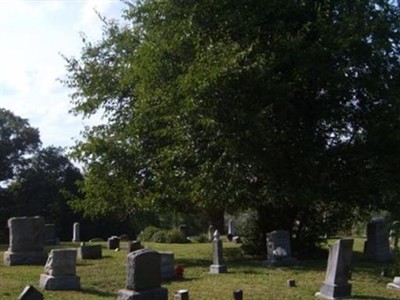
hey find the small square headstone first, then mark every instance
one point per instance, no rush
(238, 295)
(181, 295)
(30, 293)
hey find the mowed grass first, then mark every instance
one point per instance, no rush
(101, 279)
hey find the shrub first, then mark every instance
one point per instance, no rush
(147, 234)
(201, 238)
(160, 236)
(176, 236)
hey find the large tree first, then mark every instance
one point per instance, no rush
(290, 107)
(44, 187)
(17, 141)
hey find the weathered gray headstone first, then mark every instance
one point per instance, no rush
(167, 265)
(279, 251)
(134, 245)
(76, 233)
(90, 252)
(143, 277)
(336, 283)
(218, 265)
(395, 284)
(30, 293)
(50, 237)
(60, 271)
(113, 243)
(377, 246)
(26, 242)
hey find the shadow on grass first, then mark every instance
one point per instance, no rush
(95, 292)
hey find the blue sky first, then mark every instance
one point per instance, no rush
(33, 33)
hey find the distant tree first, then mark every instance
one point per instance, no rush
(44, 187)
(288, 107)
(17, 140)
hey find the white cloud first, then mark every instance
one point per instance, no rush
(33, 33)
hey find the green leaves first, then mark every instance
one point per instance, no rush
(222, 104)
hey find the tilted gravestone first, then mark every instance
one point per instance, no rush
(76, 232)
(143, 280)
(167, 265)
(376, 247)
(218, 265)
(90, 252)
(30, 293)
(60, 271)
(279, 252)
(26, 242)
(336, 283)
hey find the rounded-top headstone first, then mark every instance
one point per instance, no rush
(143, 270)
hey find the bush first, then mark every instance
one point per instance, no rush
(201, 238)
(176, 236)
(147, 234)
(160, 236)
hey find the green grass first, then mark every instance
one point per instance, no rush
(101, 279)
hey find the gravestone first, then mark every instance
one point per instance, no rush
(376, 247)
(395, 284)
(90, 252)
(76, 234)
(30, 293)
(218, 261)
(167, 265)
(336, 283)
(231, 230)
(113, 243)
(238, 295)
(134, 245)
(26, 242)
(60, 271)
(181, 295)
(279, 251)
(143, 280)
(50, 237)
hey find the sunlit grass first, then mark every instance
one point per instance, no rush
(101, 279)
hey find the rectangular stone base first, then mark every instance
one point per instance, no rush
(48, 282)
(153, 294)
(334, 291)
(25, 258)
(217, 269)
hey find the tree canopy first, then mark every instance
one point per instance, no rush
(17, 140)
(288, 105)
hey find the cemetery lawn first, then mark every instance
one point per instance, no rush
(101, 279)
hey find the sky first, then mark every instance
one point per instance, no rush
(33, 35)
